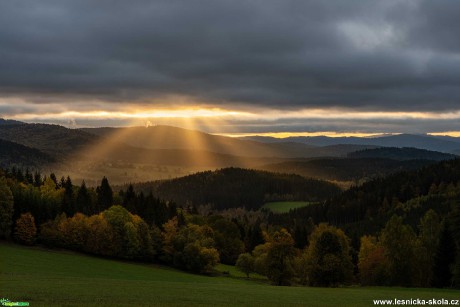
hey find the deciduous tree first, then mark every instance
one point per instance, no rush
(328, 257)
(398, 241)
(245, 263)
(25, 230)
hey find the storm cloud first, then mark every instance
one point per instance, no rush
(280, 54)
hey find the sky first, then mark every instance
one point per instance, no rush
(357, 67)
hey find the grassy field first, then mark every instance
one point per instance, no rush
(59, 278)
(285, 206)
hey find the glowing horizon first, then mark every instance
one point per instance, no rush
(234, 121)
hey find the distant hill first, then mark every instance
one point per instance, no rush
(428, 142)
(405, 153)
(51, 139)
(159, 152)
(9, 122)
(13, 154)
(343, 169)
(167, 137)
(236, 187)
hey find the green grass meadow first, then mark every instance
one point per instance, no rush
(285, 206)
(59, 278)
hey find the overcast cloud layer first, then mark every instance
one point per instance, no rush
(389, 55)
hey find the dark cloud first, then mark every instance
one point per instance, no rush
(281, 54)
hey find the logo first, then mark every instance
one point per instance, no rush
(7, 302)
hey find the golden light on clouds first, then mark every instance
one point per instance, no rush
(204, 112)
(232, 120)
(446, 133)
(281, 135)
(141, 114)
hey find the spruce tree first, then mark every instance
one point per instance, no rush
(83, 202)
(104, 195)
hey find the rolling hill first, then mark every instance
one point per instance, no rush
(361, 165)
(428, 142)
(167, 137)
(54, 140)
(160, 152)
(236, 187)
(93, 281)
(404, 153)
(345, 169)
(13, 154)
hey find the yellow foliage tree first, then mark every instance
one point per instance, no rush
(372, 262)
(25, 230)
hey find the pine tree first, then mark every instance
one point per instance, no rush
(130, 200)
(68, 202)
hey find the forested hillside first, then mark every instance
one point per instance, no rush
(13, 154)
(236, 187)
(366, 208)
(404, 153)
(52, 139)
(346, 169)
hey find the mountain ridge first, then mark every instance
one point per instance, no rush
(427, 142)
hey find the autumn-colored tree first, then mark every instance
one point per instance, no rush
(194, 248)
(301, 268)
(100, 239)
(170, 231)
(75, 231)
(50, 233)
(260, 253)
(328, 257)
(372, 262)
(25, 230)
(279, 258)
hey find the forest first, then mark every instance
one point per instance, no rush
(402, 230)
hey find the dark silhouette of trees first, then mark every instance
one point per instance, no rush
(84, 202)
(104, 195)
(6, 209)
(328, 257)
(68, 202)
(444, 258)
(398, 241)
